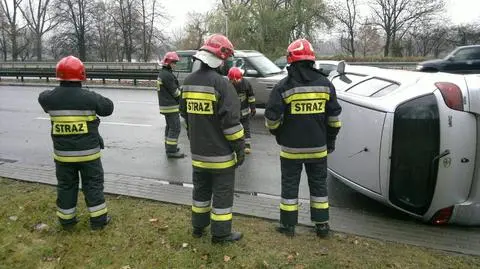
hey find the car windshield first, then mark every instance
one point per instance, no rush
(264, 65)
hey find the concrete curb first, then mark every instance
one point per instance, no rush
(456, 239)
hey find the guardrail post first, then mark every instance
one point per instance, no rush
(48, 79)
(134, 82)
(103, 81)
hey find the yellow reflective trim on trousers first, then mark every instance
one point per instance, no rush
(224, 217)
(209, 165)
(76, 159)
(297, 156)
(285, 207)
(199, 95)
(171, 142)
(98, 213)
(235, 136)
(73, 118)
(273, 126)
(319, 205)
(65, 216)
(307, 96)
(335, 124)
(200, 210)
(170, 110)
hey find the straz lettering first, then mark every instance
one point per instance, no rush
(70, 128)
(308, 106)
(199, 106)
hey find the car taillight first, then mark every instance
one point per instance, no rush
(442, 216)
(452, 95)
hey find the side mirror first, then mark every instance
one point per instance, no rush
(251, 73)
(341, 68)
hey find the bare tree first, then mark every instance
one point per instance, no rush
(12, 28)
(368, 39)
(396, 17)
(75, 15)
(125, 17)
(346, 13)
(195, 30)
(40, 21)
(150, 15)
(3, 36)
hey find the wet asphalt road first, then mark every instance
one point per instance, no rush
(133, 138)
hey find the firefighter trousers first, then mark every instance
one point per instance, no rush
(317, 183)
(213, 200)
(245, 121)
(172, 131)
(92, 186)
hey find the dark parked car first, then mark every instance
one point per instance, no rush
(463, 60)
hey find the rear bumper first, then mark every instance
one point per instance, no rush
(467, 213)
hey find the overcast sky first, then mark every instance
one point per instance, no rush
(460, 11)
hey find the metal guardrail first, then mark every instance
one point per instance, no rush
(128, 71)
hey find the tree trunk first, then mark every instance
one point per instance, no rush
(386, 50)
(39, 48)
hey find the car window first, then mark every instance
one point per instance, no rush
(467, 54)
(184, 64)
(369, 86)
(264, 65)
(344, 82)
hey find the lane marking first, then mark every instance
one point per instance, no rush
(138, 102)
(110, 123)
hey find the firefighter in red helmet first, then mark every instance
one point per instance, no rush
(303, 113)
(247, 102)
(211, 110)
(168, 98)
(77, 143)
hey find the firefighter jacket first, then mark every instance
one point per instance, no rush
(246, 96)
(73, 113)
(303, 114)
(211, 110)
(168, 92)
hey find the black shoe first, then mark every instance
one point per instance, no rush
(322, 230)
(177, 155)
(198, 232)
(101, 226)
(288, 230)
(71, 225)
(233, 237)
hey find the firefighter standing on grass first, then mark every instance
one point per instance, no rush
(211, 110)
(247, 102)
(77, 142)
(168, 98)
(302, 112)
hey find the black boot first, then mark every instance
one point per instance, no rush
(198, 232)
(231, 238)
(101, 226)
(322, 230)
(288, 230)
(70, 225)
(177, 154)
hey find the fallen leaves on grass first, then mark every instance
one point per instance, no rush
(13, 218)
(226, 258)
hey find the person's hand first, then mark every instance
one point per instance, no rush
(240, 157)
(330, 146)
(253, 112)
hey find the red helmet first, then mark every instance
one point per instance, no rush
(170, 57)
(218, 45)
(300, 50)
(235, 73)
(70, 68)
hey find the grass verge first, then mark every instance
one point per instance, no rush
(151, 234)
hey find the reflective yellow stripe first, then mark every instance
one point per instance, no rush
(199, 95)
(200, 209)
(211, 165)
(251, 99)
(73, 118)
(307, 96)
(224, 217)
(335, 124)
(171, 142)
(169, 110)
(235, 136)
(65, 216)
(272, 126)
(285, 207)
(315, 155)
(319, 205)
(76, 159)
(98, 213)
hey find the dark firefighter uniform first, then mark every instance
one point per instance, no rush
(77, 143)
(168, 98)
(211, 110)
(302, 113)
(247, 105)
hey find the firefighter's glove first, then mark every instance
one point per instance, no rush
(330, 146)
(240, 157)
(253, 111)
(239, 149)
